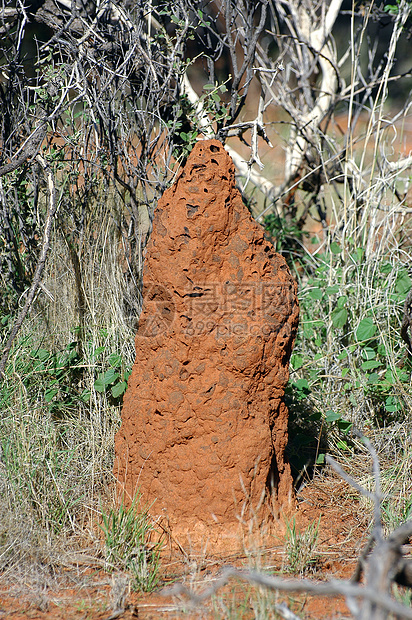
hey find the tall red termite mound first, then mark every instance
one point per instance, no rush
(204, 425)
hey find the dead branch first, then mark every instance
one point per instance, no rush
(406, 327)
(52, 209)
(29, 150)
(383, 567)
(331, 588)
(385, 563)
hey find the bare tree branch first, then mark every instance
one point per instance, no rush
(316, 588)
(51, 213)
(29, 150)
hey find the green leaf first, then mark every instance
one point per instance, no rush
(110, 376)
(369, 364)
(403, 376)
(119, 389)
(399, 375)
(316, 293)
(302, 387)
(392, 9)
(342, 301)
(342, 445)
(302, 384)
(332, 290)
(332, 416)
(403, 282)
(386, 268)
(335, 248)
(389, 377)
(99, 384)
(105, 379)
(373, 378)
(382, 350)
(368, 353)
(115, 360)
(391, 408)
(85, 396)
(358, 255)
(343, 355)
(392, 404)
(209, 87)
(50, 394)
(339, 317)
(366, 329)
(296, 361)
(42, 354)
(98, 352)
(344, 425)
(320, 460)
(307, 330)
(5, 319)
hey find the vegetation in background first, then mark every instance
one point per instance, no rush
(350, 366)
(99, 107)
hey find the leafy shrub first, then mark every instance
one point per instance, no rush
(61, 379)
(349, 364)
(287, 236)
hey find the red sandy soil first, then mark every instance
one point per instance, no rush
(342, 533)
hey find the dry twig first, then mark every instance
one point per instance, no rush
(53, 207)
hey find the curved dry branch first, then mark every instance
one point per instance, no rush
(41, 263)
(318, 49)
(244, 168)
(316, 588)
(28, 150)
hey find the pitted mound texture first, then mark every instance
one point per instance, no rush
(204, 426)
